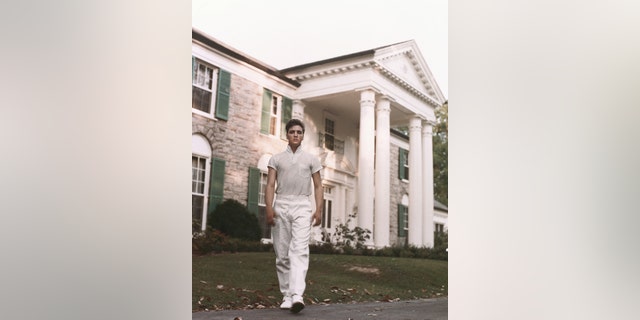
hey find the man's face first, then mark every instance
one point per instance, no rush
(295, 135)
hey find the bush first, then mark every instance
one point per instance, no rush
(209, 241)
(234, 219)
(347, 238)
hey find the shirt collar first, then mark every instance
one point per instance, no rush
(291, 151)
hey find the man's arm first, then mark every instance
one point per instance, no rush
(268, 196)
(319, 196)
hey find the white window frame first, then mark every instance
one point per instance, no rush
(201, 148)
(214, 87)
(327, 197)
(405, 203)
(275, 117)
(205, 191)
(328, 134)
(406, 168)
(263, 189)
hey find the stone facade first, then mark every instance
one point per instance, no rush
(398, 189)
(238, 141)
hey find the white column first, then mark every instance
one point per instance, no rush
(297, 111)
(365, 160)
(427, 185)
(415, 182)
(383, 168)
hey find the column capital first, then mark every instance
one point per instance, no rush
(367, 97)
(427, 128)
(415, 123)
(384, 105)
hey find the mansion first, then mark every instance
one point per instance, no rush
(368, 118)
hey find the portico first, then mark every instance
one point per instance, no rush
(368, 94)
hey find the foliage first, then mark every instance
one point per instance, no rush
(248, 280)
(211, 240)
(440, 154)
(214, 241)
(234, 219)
(350, 238)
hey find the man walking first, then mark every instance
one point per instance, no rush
(292, 214)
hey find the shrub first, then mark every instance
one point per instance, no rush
(349, 238)
(234, 219)
(209, 241)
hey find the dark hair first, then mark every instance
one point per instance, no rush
(294, 122)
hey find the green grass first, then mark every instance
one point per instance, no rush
(248, 280)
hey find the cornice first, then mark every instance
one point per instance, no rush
(379, 67)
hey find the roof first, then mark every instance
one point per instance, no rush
(343, 57)
(234, 53)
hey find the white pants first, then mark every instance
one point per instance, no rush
(291, 242)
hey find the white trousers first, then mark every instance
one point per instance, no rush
(291, 242)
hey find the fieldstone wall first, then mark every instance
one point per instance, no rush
(238, 141)
(398, 189)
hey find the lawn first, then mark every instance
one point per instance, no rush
(248, 280)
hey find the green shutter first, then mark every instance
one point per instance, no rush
(401, 216)
(254, 190)
(222, 98)
(287, 111)
(266, 112)
(216, 186)
(402, 159)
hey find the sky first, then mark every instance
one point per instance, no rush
(286, 33)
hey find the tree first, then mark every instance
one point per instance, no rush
(440, 154)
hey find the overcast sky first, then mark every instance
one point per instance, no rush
(286, 33)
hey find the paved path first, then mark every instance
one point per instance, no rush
(424, 309)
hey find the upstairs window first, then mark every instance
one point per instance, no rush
(210, 90)
(274, 124)
(276, 112)
(329, 134)
(205, 82)
(403, 164)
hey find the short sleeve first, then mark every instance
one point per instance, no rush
(315, 165)
(272, 163)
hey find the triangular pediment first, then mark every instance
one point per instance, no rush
(404, 63)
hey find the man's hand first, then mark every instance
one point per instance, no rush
(316, 219)
(271, 217)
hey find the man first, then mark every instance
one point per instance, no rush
(291, 214)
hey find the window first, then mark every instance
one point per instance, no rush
(256, 202)
(210, 90)
(328, 204)
(276, 112)
(205, 81)
(439, 227)
(403, 220)
(200, 180)
(198, 174)
(403, 164)
(263, 189)
(329, 137)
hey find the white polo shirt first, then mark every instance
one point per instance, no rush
(294, 171)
